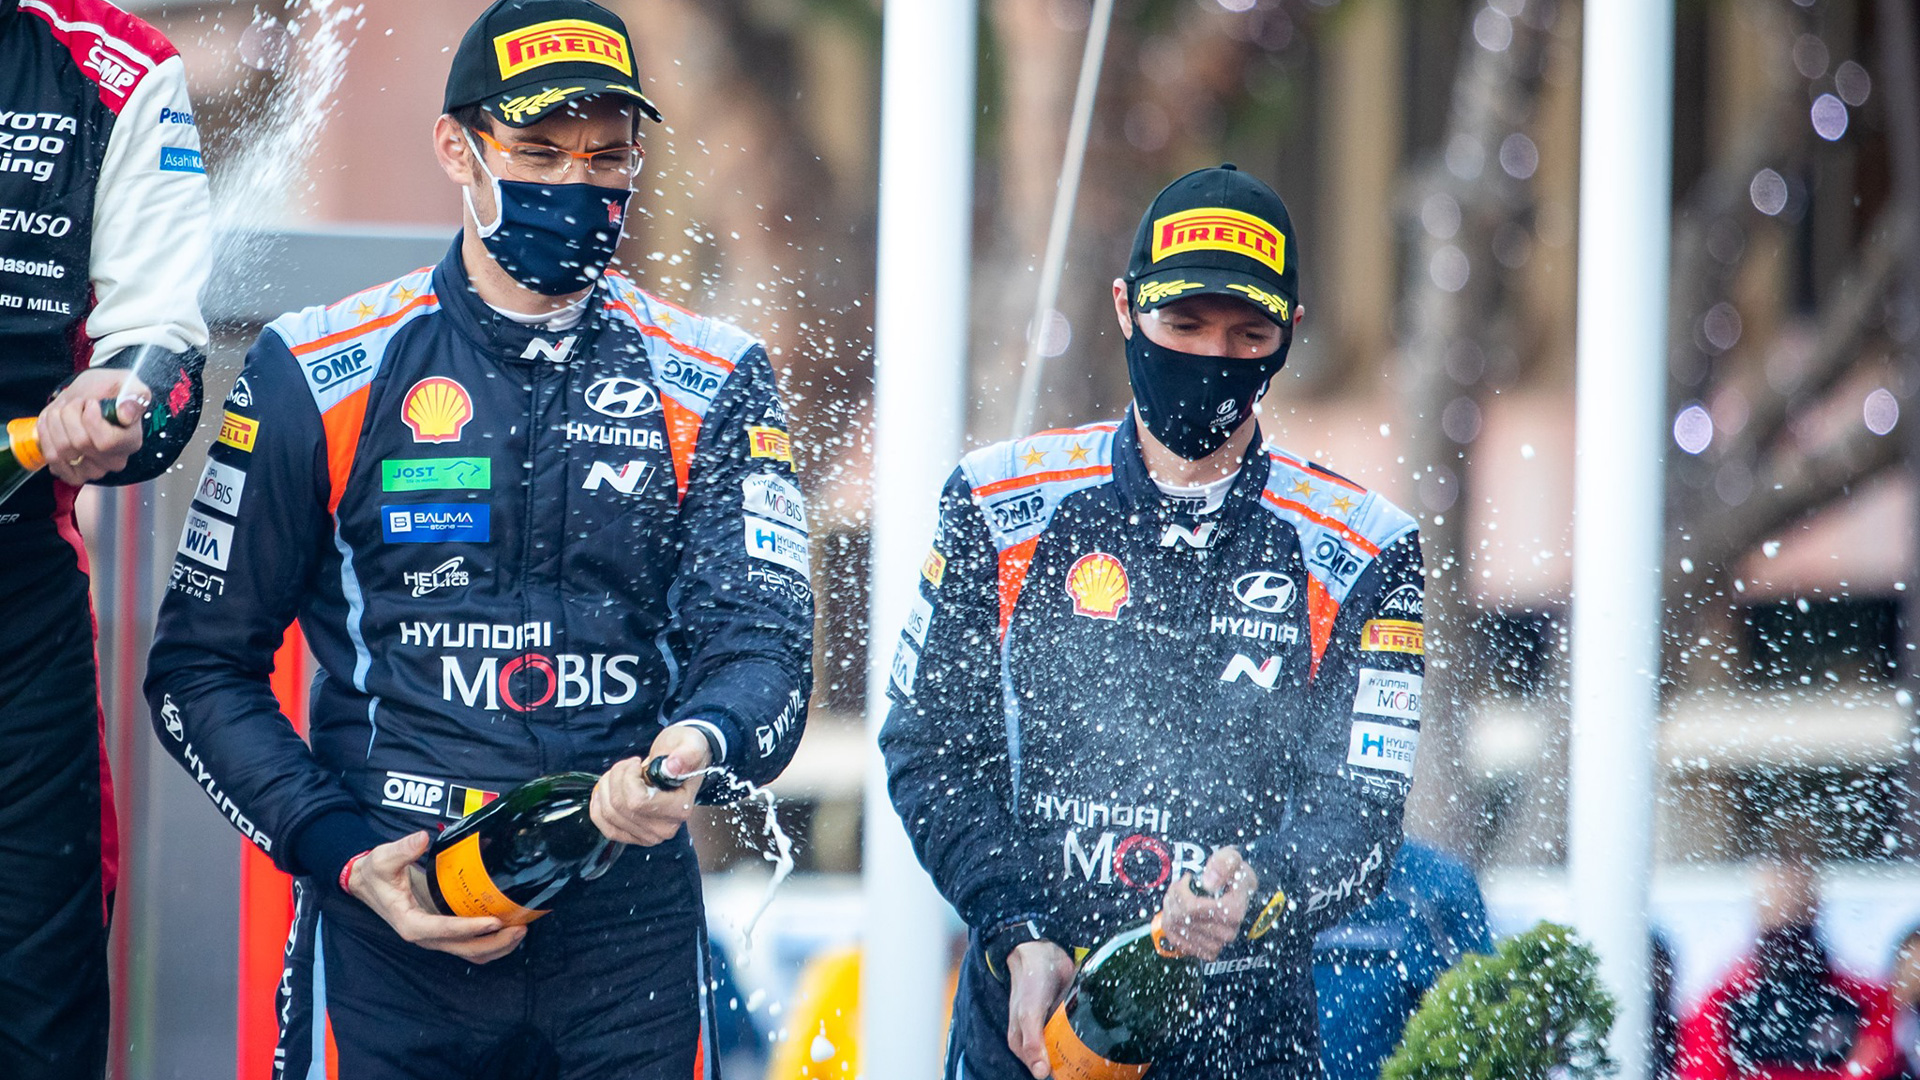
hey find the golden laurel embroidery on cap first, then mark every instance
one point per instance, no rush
(515, 108)
(1155, 291)
(561, 41)
(1215, 228)
(1275, 304)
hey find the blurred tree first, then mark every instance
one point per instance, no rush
(1532, 1010)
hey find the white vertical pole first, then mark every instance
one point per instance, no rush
(1626, 132)
(919, 419)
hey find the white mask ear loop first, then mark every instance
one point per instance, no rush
(466, 193)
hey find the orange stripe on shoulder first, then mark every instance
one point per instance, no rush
(1014, 563)
(683, 437)
(1318, 470)
(1322, 609)
(1105, 428)
(650, 330)
(367, 327)
(1324, 521)
(1016, 482)
(342, 424)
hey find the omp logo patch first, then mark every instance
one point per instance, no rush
(561, 41)
(1216, 228)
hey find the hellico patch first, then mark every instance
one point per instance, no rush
(561, 41)
(1216, 228)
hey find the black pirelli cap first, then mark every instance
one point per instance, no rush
(523, 58)
(1216, 231)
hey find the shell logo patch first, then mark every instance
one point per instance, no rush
(1099, 586)
(436, 409)
(560, 41)
(935, 568)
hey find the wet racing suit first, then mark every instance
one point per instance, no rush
(1098, 687)
(513, 552)
(103, 251)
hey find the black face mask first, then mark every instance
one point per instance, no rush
(1193, 404)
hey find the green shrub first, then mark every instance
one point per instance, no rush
(1535, 1004)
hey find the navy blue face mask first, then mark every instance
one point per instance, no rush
(555, 239)
(1193, 404)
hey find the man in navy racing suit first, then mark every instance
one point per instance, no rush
(104, 240)
(1157, 650)
(531, 519)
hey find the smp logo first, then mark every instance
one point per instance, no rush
(333, 367)
(622, 398)
(117, 73)
(1266, 591)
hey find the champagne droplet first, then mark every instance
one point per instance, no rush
(822, 1047)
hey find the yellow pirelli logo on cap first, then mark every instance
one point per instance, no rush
(561, 41)
(238, 431)
(1215, 228)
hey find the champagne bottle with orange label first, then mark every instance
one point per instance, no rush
(23, 457)
(513, 856)
(1129, 995)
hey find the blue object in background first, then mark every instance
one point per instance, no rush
(1371, 970)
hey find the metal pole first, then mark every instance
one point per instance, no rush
(919, 419)
(1078, 131)
(1620, 419)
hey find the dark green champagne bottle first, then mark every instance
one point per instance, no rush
(23, 458)
(1129, 995)
(511, 857)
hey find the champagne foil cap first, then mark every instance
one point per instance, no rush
(24, 436)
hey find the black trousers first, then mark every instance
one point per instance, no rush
(53, 935)
(614, 983)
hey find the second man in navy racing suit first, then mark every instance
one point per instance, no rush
(531, 519)
(1157, 650)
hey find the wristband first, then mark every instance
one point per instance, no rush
(346, 872)
(998, 944)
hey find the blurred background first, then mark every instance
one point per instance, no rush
(1428, 151)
